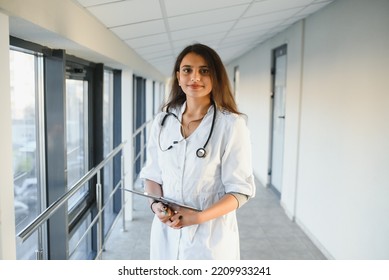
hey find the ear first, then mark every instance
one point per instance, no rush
(178, 77)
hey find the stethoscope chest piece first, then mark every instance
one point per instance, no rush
(201, 152)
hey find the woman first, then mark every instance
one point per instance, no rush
(199, 154)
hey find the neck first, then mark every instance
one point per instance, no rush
(194, 112)
(197, 108)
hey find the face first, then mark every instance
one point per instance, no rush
(194, 77)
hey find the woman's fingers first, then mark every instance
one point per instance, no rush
(163, 212)
(173, 218)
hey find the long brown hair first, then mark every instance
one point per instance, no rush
(221, 90)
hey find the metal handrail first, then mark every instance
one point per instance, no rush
(34, 225)
(49, 211)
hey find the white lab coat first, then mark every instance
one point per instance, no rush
(199, 182)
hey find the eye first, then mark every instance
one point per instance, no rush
(186, 70)
(204, 71)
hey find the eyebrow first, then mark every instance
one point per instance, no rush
(203, 66)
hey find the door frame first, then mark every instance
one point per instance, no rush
(276, 52)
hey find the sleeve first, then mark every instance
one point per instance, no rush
(237, 173)
(240, 198)
(151, 170)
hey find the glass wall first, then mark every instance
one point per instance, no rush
(26, 73)
(76, 135)
(108, 179)
(78, 157)
(63, 126)
(139, 109)
(80, 243)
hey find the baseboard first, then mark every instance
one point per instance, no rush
(314, 239)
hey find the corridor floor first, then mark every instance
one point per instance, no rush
(266, 232)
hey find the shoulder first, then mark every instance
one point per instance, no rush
(233, 126)
(157, 120)
(158, 117)
(231, 119)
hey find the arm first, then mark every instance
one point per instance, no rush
(151, 172)
(225, 205)
(153, 188)
(186, 217)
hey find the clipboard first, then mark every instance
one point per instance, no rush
(164, 200)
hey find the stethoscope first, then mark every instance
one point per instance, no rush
(201, 152)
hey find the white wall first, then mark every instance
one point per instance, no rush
(7, 222)
(335, 181)
(343, 196)
(255, 101)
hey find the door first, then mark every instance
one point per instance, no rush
(278, 117)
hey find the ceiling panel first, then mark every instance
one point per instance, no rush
(237, 34)
(156, 55)
(206, 18)
(179, 7)
(275, 18)
(198, 32)
(148, 40)
(241, 27)
(312, 8)
(272, 6)
(159, 29)
(213, 39)
(135, 30)
(89, 3)
(125, 12)
(152, 49)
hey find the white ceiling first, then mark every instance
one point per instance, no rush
(159, 29)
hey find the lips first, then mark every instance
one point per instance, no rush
(195, 86)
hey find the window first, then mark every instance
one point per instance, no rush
(76, 135)
(140, 137)
(26, 88)
(63, 126)
(79, 156)
(108, 179)
(80, 245)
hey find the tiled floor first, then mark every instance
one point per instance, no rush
(265, 233)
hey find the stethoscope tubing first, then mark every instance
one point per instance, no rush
(201, 152)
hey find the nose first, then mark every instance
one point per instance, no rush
(195, 76)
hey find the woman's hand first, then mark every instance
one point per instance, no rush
(184, 217)
(164, 213)
(177, 217)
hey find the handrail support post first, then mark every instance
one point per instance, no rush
(99, 213)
